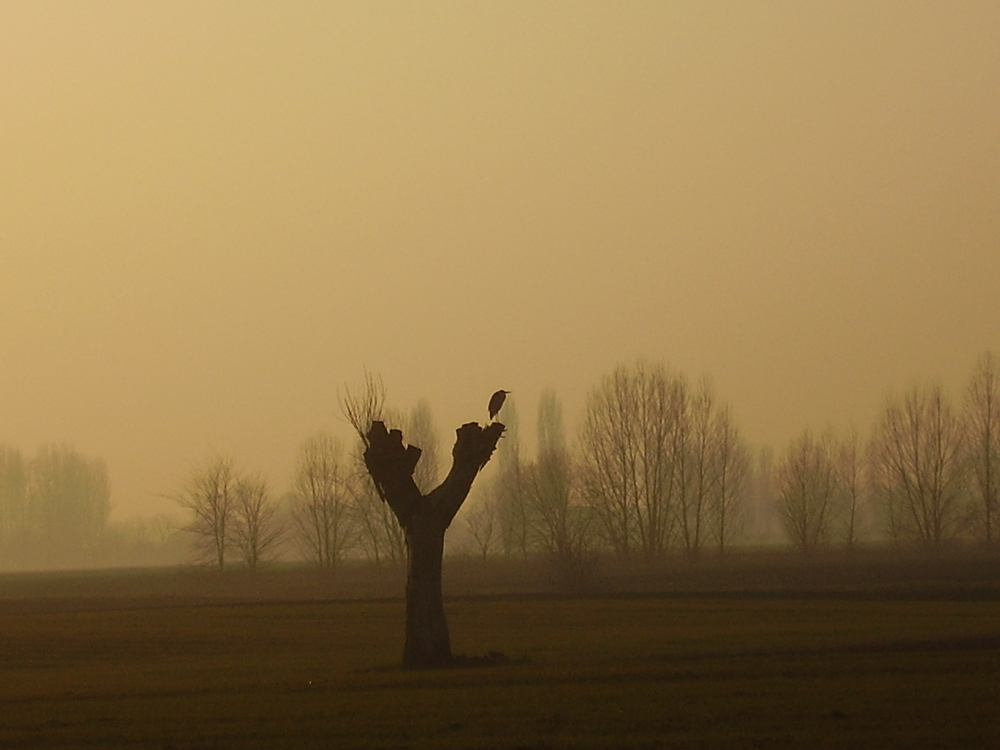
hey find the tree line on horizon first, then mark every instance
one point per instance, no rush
(658, 468)
(927, 475)
(331, 513)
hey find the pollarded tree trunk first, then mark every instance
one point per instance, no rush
(427, 641)
(424, 519)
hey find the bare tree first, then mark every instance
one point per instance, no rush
(806, 485)
(481, 519)
(209, 495)
(557, 522)
(851, 487)
(611, 454)
(509, 490)
(322, 500)
(918, 469)
(380, 535)
(253, 529)
(363, 404)
(424, 519)
(693, 457)
(982, 440)
(661, 417)
(730, 479)
(629, 454)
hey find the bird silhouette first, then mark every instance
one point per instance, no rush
(496, 402)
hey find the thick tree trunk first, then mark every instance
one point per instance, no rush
(427, 641)
(424, 519)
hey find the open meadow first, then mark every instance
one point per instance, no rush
(685, 670)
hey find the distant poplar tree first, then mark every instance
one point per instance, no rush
(982, 446)
(557, 522)
(731, 479)
(693, 459)
(420, 430)
(852, 487)
(508, 488)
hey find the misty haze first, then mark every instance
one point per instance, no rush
(499, 374)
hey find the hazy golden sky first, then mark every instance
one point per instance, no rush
(213, 214)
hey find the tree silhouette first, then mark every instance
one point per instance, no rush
(209, 495)
(982, 438)
(807, 482)
(424, 519)
(321, 508)
(919, 468)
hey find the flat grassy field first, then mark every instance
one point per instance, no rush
(629, 672)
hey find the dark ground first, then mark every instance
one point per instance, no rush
(757, 651)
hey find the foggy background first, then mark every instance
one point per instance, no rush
(212, 216)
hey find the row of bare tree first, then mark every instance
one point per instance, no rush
(332, 511)
(231, 511)
(659, 466)
(928, 474)
(534, 506)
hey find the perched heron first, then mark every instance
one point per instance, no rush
(496, 401)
